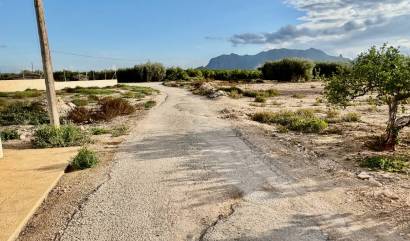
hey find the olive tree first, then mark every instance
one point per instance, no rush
(383, 73)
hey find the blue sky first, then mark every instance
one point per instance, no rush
(188, 33)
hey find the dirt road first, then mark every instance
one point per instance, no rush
(185, 174)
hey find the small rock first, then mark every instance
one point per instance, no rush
(375, 182)
(364, 176)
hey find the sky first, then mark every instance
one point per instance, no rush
(108, 34)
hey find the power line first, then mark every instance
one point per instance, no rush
(93, 57)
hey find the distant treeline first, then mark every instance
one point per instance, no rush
(283, 70)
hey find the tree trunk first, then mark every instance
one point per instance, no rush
(392, 131)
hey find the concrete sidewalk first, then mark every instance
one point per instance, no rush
(27, 176)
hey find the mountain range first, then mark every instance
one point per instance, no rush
(234, 61)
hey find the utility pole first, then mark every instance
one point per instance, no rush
(47, 65)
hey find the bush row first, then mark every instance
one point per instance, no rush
(282, 70)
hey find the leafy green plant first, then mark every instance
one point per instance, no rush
(385, 72)
(23, 113)
(84, 159)
(149, 104)
(288, 70)
(390, 164)
(302, 120)
(95, 91)
(9, 134)
(121, 130)
(96, 131)
(329, 69)
(67, 135)
(80, 102)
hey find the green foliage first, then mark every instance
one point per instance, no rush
(89, 91)
(23, 113)
(149, 104)
(84, 159)
(390, 164)
(288, 70)
(329, 69)
(9, 134)
(383, 72)
(68, 75)
(96, 131)
(80, 102)
(67, 135)
(195, 73)
(149, 72)
(260, 99)
(28, 93)
(236, 75)
(302, 120)
(121, 130)
(176, 74)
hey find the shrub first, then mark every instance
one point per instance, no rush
(329, 69)
(68, 135)
(23, 113)
(8, 134)
(332, 114)
(288, 70)
(80, 102)
(298, 96)
(176, 74)
(113, 107)
(149, 72)
(236, 75)
(80, 115)
(265, 93)
(120, 131)
(194, 73)
(302, 120)
(84, 159)
(235, 94)
(351, 117)
(260, 99)
(96, 131)
(149, 104)
(390, 164)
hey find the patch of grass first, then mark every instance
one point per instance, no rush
(121, 130)
(260, 99)
(282, 129)
(298, 96)
(96, 131)
(140, 91)
(67, 135)
(9, 134)
(390, 164)
(28, 93)
(150, 104)
(23, 113)
(302, 120)
(89, 91)
(80, 102)
(234, 94)
(332, 114)
(264, 93)
(84, 159)
(351, 117)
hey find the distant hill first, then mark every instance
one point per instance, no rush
(234, 61)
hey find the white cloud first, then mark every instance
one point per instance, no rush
(333, 24)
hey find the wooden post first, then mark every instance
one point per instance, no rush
(47, 65)
(1, 150)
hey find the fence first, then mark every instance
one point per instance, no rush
(20, 85)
